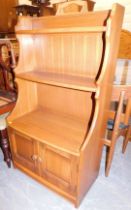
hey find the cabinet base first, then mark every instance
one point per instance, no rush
(66, 195)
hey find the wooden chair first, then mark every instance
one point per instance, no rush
(7, 64)
(7, 95)
(118, 122)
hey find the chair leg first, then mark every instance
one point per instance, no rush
(109, 157)
(125, 142)
(5, 146)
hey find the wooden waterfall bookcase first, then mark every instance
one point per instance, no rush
(64, 75)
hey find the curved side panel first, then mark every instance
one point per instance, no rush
(26, 101)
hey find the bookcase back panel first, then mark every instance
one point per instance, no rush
(70, 54)
(66, 101)
(26, 60)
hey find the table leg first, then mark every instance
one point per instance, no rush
(5, 146)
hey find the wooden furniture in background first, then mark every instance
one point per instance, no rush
(125, 45)
(90, 5)
(118, 122)
(7, 64)
(8, 17)
(66, 67)
(34, 10)
(125, 50)
(24, 9)
(6, 106)
(7, 94)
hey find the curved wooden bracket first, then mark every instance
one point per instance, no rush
(72, 7)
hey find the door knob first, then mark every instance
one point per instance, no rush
(34, 157)
(39, 159)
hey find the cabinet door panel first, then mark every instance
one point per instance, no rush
(23, 150)
(58, 167)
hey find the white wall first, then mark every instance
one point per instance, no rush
(105, 4)
(24, 2)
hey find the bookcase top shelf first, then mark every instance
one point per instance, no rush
(63, 30)
(59, 79)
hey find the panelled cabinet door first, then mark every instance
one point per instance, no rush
(59, 168)
(23, 149)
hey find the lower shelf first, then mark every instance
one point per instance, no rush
(60, 131)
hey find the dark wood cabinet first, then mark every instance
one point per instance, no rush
(8, 16)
